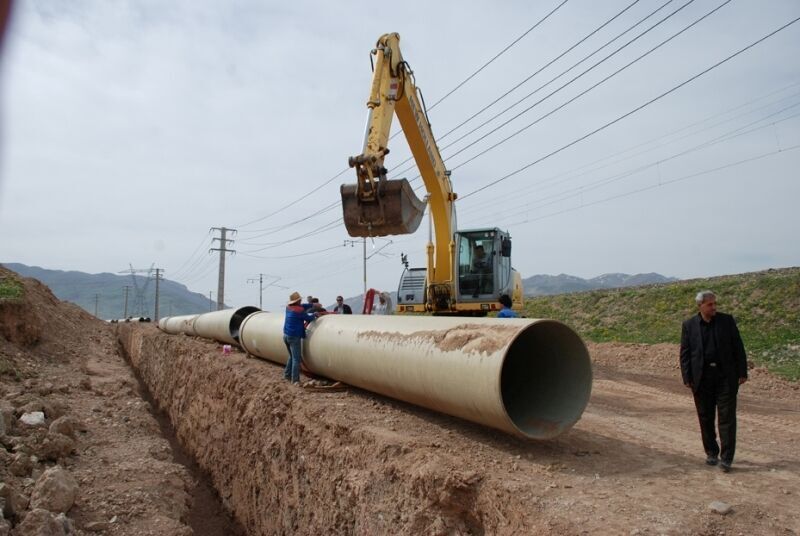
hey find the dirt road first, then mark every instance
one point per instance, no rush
(354, 462)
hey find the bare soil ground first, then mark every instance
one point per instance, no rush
(56, 358)
(291, 460)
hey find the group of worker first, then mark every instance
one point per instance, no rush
(299, 315)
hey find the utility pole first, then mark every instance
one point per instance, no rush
(260, 289)
(223, 249)
(159, 277)
(127, 289)
(261, 286)
(96, 301)
(364, 243)
(210, 300)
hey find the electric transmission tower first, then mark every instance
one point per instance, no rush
(138, 287)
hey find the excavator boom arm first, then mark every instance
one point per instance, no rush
(376, 206)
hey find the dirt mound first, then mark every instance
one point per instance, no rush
(69, 400)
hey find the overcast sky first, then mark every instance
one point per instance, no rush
(131, 128)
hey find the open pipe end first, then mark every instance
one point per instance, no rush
(546, 379)
(238, 317)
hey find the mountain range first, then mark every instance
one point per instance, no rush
(81, 288)
(548, 285)
(175, 299)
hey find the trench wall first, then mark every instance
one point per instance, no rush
(286, 460)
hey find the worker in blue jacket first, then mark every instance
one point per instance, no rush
(506, 311)
(294, 331)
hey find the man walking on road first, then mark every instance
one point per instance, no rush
(713, 366)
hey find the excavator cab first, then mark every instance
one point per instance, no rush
(382, 207)
(484, 265)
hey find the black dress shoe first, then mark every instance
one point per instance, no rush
(711, 460)
(726, 466)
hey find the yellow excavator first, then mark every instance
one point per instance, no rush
(467, 270)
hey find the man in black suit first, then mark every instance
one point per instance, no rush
(713, 366)
(341, 307)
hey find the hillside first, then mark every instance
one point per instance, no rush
(766, 306)
(80, 288)
(548, 285)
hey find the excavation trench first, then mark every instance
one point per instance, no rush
(207, 515)
(284, 459)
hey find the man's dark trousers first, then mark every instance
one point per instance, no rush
(716, 394)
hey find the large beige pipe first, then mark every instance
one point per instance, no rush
(531, 378)
(222, 326)
(178, 324)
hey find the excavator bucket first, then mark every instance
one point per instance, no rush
(395, 209)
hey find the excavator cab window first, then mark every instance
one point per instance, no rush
(476, 259)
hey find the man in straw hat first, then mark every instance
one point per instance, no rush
(294, 331)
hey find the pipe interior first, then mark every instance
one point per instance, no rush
(546, 379)
(238, 317)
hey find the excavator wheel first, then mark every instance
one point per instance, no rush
(395, 209)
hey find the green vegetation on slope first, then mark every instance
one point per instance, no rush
(10, 289)
(766, 306)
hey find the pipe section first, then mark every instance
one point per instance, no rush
(531, 378)
(222, 326)
(176, 325)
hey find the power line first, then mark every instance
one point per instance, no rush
(514, 42)
(459, 85)
(292, 256)
(321, 229)
(550, 200)
(739, 131)
(273, 230)
(562, 73)
(206, 240)
(631, 112)
(579, 95)
(301, 198)
(552, 61)
(660, 184)
(204, 271)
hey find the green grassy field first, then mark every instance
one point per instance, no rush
(766, 306)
